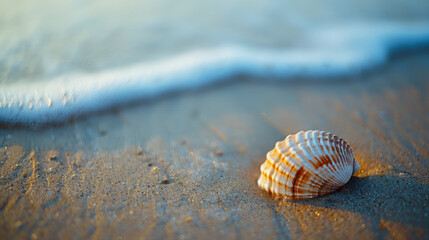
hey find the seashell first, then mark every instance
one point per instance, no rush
(307, 165)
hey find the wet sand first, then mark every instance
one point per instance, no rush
(185, 166)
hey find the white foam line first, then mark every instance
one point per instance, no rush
(335, 52)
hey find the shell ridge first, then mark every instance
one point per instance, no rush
(298, 151)
(332, 158)
(279, 175)
(307, 164)
(326, 165)
(347, 162)
(327, 154)
(309, 168)
(336, 160)
(297, 174)
(289, 163)
(276, 168)
(344, 163)
(321, 164)
(305, 155)
(310, 165)
(273, 159)
(332, 161)
(288, 158)
(273, 177)
(302, 185)
(350, 160)
(267, 170)
(297, 154)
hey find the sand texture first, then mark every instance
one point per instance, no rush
(185, 166)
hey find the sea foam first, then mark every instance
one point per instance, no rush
(335, 51)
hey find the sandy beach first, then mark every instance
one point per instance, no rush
(185, 165)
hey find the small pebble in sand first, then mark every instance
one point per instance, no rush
(18, 224)
(165, 181)
(139, 151)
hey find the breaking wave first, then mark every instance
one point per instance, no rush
(335, 51)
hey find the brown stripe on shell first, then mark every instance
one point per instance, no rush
(277, 168)
(331, 158)
(294, 180)
(272, 179)
(336, 158)
(301, 180)
(302, 154)
(324, 159)
(297, 147)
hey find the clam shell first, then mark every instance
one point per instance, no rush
(307, 164)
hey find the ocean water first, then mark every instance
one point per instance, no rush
(60, 59)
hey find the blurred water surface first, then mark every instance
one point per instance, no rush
(73, 52)
(43, 39)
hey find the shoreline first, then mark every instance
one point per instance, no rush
(66, 96)
(294, 81)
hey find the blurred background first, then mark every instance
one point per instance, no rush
(53, 41)
(43, 39)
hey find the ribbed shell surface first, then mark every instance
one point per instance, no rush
(307, 164)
